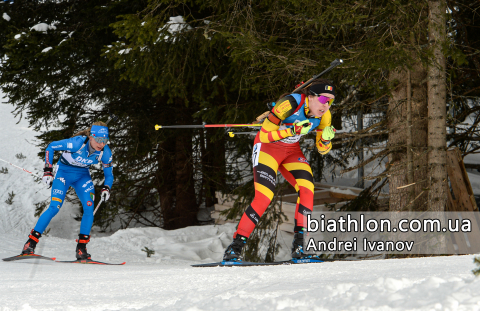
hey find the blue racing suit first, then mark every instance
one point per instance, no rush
(73, 170)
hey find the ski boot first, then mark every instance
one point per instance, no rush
(81, 250)
(234, 250)
(29, 247)
(297, 248)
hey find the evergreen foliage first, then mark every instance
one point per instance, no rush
(9, 200)
(149, 252)
(476, 271)
(464, 76)
(20, 156)
(40, 207)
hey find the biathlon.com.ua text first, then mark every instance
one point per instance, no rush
(344, 233)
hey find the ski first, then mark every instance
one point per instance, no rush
(306, 260)
(313, 260)
(28, 256)
(239, 264)
(276, 263)
(92, 262)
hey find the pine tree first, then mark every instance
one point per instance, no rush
(57, 75)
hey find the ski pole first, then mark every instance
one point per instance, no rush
(232, 134)
(157, 127)
(98, 205)
(21, 169)
(333, 64)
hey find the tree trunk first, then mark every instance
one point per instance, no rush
(360, 182)
(411, 190)
(400, 196)
(437, 174)
(213, 167)
(166, 180)
(186, 207)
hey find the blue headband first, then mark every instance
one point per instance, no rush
(99, 131)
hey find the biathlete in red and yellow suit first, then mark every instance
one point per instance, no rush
(276, 148)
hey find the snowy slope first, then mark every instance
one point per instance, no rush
(166, 281)
(18, 139)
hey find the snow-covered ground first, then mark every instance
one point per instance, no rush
(166, 281)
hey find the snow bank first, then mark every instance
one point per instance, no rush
(202, 243)
(6, 17)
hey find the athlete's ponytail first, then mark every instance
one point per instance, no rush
(86, 132)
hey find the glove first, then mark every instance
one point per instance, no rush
(328, 133)
(47, 176)
(301, 128)
(105, 194)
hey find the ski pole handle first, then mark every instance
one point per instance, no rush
(98, 205)
(112, 118)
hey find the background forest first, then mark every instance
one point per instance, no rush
(412, 66)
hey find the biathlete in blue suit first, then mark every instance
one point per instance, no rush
(79, 152)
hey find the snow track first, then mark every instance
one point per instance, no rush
(440, 283)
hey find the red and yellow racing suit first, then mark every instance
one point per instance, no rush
(276, 148)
